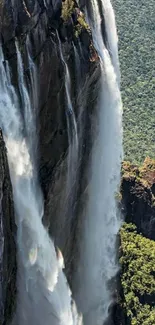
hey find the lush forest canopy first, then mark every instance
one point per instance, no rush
(136, 29)
(138, 281)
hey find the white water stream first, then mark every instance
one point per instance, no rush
(98, 264)
(111, 32)
(73, 143)
(43, 294)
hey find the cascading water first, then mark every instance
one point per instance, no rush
(77, 67)
(72, 159)
(97, 266)
(72, 133)
(71, 124)
(43, 294)
(111, 33)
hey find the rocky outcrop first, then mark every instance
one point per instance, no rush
(138, 198)
(135, 302)
(7, 241)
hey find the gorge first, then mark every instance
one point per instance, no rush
(60, 163)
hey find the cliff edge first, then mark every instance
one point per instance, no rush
(136, 294)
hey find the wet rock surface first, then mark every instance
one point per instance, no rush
(37, 27)
(7, 241)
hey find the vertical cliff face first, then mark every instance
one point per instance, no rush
(53, 40)
(7, 240)
(136, 294)
(137, 189)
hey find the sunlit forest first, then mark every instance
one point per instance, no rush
(136, 29)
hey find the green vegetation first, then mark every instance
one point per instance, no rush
(81, 25)
(144, 173)
(136, 29)
(138, 276)
(67, 9)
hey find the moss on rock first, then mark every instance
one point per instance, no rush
(67, 9)
(70, 9)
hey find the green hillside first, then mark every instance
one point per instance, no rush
(136, 29)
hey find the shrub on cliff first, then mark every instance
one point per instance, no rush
(70, 9)
(67, 9)
(137, 276)
(145, 173)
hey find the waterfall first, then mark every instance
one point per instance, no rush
(43, 294)
(77, 67)
(111, 32)
(71, 125)
(72, 131)
(72, 158)
(94, 289)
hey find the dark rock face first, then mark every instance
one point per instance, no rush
(138, 207)
(138, 200)
(7, 241)
(18, 17)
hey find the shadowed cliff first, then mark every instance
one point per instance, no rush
(7, 240)
(138, 190)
